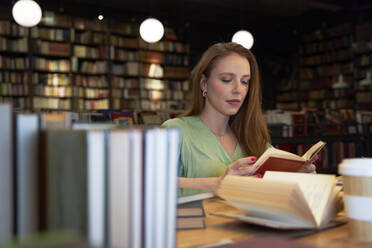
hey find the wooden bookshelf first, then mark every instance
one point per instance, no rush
(145, 76)
(78, 64)
(14, 65)
(325, 54)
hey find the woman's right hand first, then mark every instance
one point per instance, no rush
(238, 168)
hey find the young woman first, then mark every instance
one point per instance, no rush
(224, 131)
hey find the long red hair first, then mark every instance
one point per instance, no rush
(248, 124)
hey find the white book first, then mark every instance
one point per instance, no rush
(136, 162)
(92, 125)
(161, 181)
(96, 163)
(173, 147)
(27, 150)
(150, 188)
(6, 175)
(119, 189)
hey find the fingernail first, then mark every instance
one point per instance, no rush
(254, 159)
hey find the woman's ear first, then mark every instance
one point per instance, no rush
(203, 83)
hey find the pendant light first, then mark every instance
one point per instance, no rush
(367, 81)
(340, 84)
(151, 30)
(26, 13)
(244, 38)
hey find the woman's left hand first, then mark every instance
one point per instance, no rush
(310, 167)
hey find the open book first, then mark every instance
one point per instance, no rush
(278, 160)
(283, 200)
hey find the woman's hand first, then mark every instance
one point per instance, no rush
(237, 168)
(310, 167)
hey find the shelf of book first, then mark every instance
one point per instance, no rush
(14, 65)
(90, 62)
(346, 132)
(323, 57)
(325, 54)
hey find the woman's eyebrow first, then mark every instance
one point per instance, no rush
(226, 74)
(233, 74)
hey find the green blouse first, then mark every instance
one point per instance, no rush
(201, 155)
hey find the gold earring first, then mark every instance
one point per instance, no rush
(204, 93)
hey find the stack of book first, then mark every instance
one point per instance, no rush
(112, 187)
(190, 211)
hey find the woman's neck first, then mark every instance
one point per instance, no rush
(216, 122)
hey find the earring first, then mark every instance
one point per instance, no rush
(204, 93)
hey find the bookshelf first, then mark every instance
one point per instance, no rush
(363, 55)
(89, 65)
(50, 57)
(14, 65)
(148, 76)
(325, 54)
(76, 64)
(345, 136)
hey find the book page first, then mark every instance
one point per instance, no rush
(315, 149)
(316, 188)
(195, 197)
(334, 205)
(277, 224)
(267, 199)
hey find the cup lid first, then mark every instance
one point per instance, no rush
(356, 167)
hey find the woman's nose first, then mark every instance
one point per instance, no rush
(237, 87)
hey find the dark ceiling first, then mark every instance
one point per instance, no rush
(205, 10)
(298, 14)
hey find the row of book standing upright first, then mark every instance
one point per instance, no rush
(112, 187)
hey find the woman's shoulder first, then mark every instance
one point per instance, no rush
(180, 122)
(175, 122)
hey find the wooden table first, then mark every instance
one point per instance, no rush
(223, 229)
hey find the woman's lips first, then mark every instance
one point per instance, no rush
(233, 102)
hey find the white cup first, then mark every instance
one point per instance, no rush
(357, 181)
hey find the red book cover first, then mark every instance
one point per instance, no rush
(274, 159)
(280, 164)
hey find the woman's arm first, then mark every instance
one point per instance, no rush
(212, 183)
(206, 183)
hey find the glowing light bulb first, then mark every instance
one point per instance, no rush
(151, 30)
(26, 13)
(243, 38)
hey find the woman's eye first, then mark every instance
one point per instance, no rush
(245, 82)
(226, 80)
